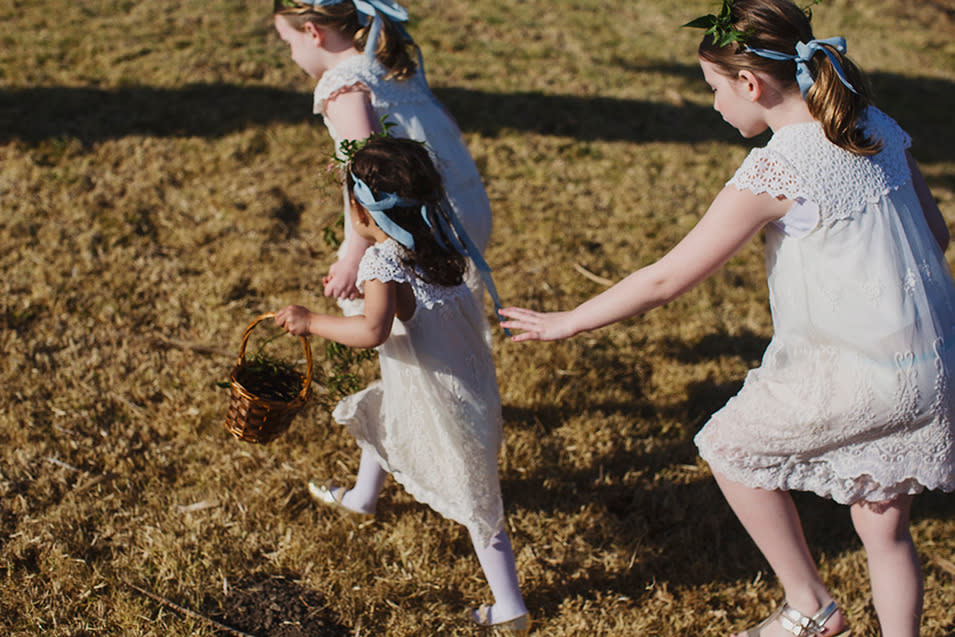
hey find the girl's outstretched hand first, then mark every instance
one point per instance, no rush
(537, 326)
(294, 319)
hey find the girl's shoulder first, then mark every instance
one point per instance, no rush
(799, 162)
(383, 261)
(359, 70)
(353, 71)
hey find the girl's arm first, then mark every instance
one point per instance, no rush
(363, 330)
(732, 220)
(933, 215)
(352, 117)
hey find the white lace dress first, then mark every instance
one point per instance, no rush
(434, 418)
(853, 398)
(416, 114)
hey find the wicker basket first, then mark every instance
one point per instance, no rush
(260, 420)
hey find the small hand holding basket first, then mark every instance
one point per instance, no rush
(262, 418)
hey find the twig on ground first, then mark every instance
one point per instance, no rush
(189, 613)
(188, 345)
(60, 463)
(593, 277)
(92, 482)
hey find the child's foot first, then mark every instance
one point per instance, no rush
(335, 497)
(514, 621)
(787, 621)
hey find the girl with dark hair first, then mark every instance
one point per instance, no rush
(433, 421)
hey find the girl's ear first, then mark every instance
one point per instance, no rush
(361, 215)
(315, 33)
(750, 84)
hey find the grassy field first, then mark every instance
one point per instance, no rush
(162, 182)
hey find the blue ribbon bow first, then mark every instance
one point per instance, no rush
(367, 8)
(377, 207)
(804, 53)
(368, 11)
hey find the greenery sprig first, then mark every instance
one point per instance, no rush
(723, 30)
(349, 147)
(720, 26)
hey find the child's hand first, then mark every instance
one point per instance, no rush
(537, 326)
(341, 280)
(294, 319)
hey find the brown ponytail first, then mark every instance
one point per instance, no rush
(394, 52)
(777, 25)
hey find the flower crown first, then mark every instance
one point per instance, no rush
(723, 30)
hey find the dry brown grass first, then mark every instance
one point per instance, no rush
(162, 178)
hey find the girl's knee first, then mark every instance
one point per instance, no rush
(881, 524)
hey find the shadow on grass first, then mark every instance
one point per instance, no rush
(92, 115)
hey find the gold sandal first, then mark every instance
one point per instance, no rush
(482, 617)
(798, 624)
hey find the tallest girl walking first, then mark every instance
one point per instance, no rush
(853, 399)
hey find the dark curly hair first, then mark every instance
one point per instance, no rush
(404, 167)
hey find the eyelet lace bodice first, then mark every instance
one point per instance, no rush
(358, 70)
(800, 163)
(412, 112)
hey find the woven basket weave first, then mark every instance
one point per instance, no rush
(254, 419)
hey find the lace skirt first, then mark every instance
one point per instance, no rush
(809, 420)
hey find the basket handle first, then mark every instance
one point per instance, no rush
(308, 350)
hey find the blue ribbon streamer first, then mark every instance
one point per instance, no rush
(465, 245)
(804, 53)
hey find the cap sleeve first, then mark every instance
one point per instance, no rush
(382, 262)
(765, 170)
(352, 72)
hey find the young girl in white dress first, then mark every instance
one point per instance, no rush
(853, 399)
(434, 419)
(361, 56)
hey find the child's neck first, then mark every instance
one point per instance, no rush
(334, 59)
(338, 49)
(792, 109)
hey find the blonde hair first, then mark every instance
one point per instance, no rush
(778, 25)
(393, 51)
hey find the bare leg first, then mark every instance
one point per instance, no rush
(497, 561)
(363, 497)
(893, 564)
(772, 522)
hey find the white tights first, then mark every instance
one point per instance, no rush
(496, 559)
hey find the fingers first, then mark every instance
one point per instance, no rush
(293, 319)
(517, 312)
(528, 321)
(525, 336)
